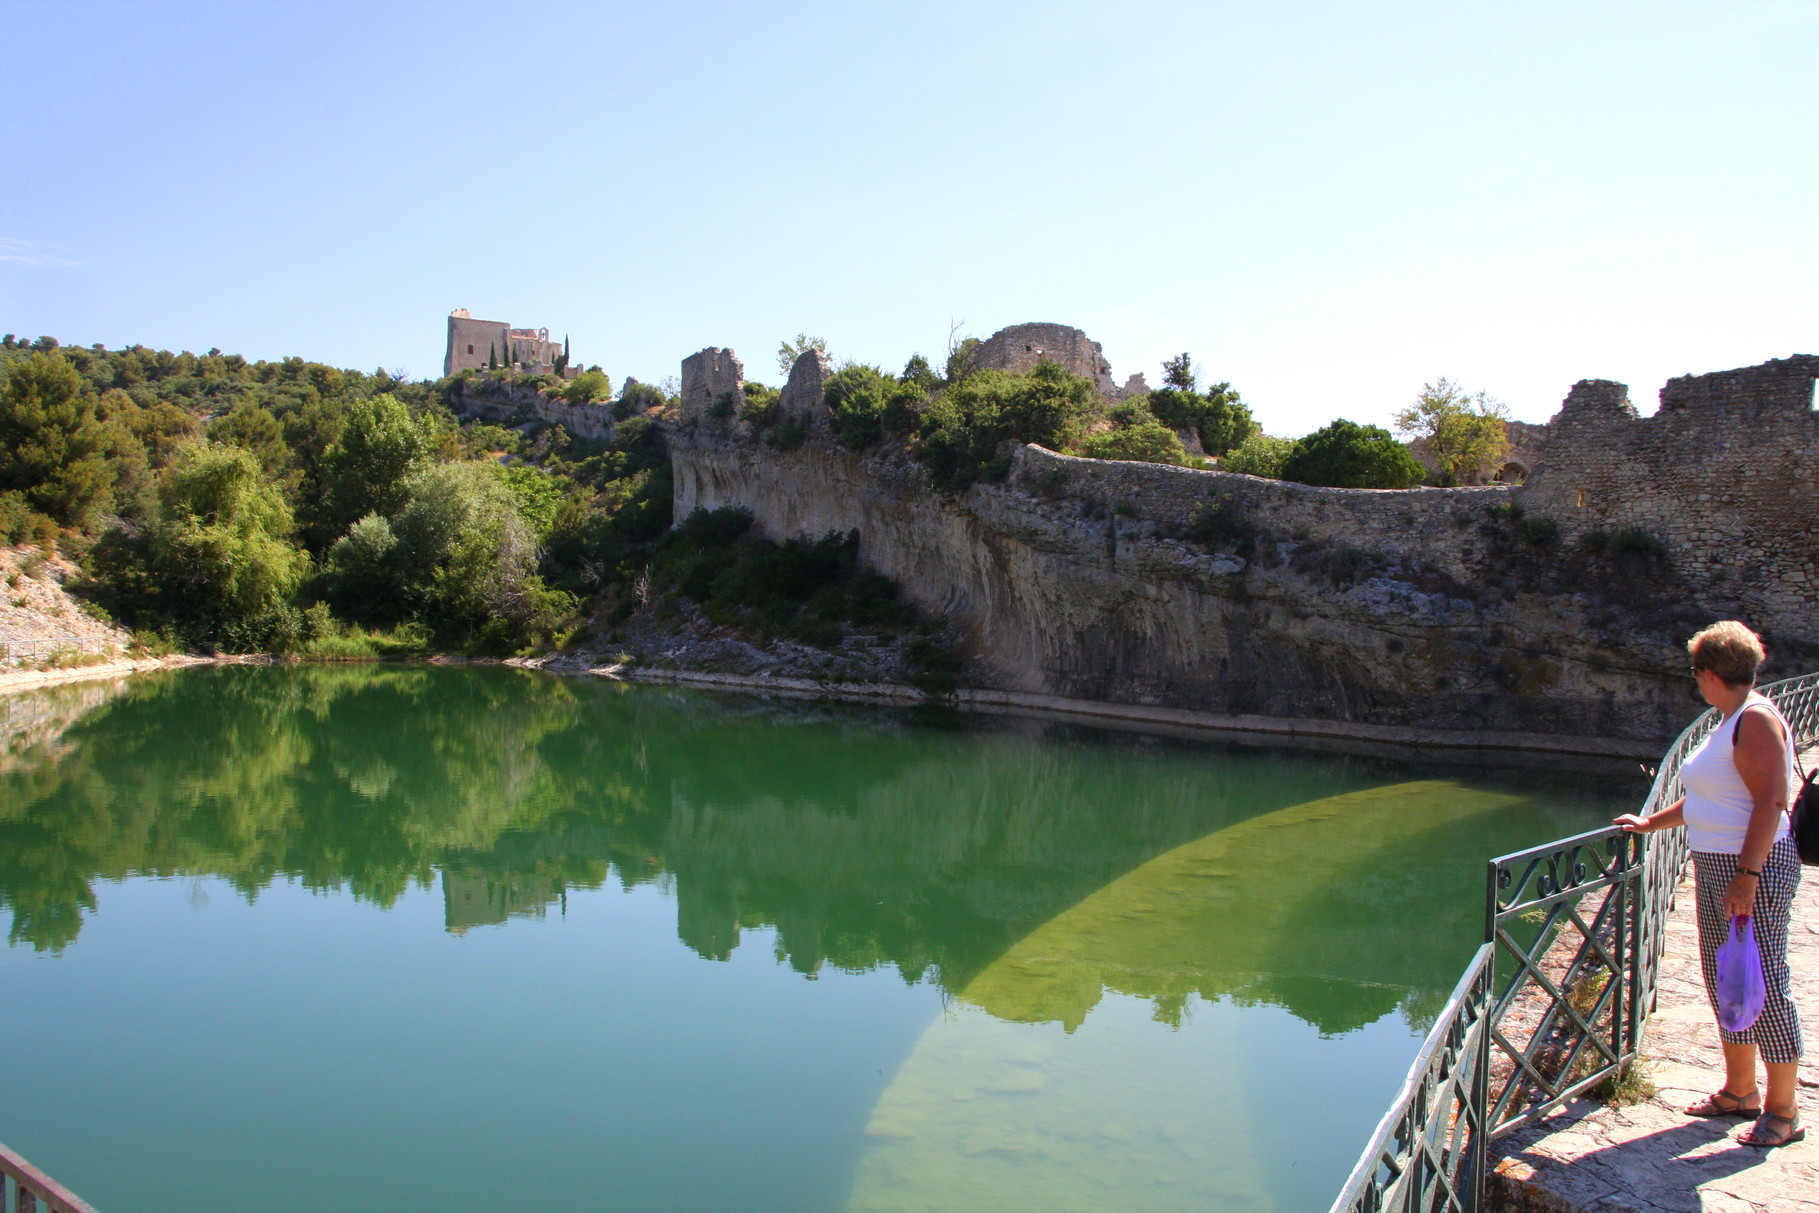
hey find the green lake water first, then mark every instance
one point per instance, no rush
(477, 938)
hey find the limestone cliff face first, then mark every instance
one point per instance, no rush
(1153, 587)
(497, 400)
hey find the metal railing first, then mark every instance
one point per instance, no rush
(26, 1189)
(1428, 1152)
(42, 647)
(1576, 927)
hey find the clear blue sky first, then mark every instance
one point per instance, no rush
(1327, 204)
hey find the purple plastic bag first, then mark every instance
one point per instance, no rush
(1741, 989)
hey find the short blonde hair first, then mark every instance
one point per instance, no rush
(1730, 650)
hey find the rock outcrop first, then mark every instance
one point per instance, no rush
(1491, 613)
(499, 400)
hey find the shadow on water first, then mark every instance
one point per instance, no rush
(863, 838)
(1136, 940)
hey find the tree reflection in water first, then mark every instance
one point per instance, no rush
(863, 838)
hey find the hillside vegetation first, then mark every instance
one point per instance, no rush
(294, 506)
(290, 506)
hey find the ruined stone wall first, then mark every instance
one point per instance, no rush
(1020, 347)
(1725, 476)
(1434, 526)
(713, 379)
(1528, 447)
(1080, 582)
(1471, 611)
(804, 397)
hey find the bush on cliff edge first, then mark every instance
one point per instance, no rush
(1346, 455)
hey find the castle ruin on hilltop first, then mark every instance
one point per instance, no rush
(1021, 346)
(476, 344)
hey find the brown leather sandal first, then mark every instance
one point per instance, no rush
(1771, 1130)
(1722, 1103)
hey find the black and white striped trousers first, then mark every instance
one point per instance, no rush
(1777, 1031)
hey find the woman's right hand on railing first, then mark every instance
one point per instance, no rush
(1634, 824)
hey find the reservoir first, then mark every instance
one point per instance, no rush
(473, 938)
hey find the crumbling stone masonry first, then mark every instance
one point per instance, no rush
(1546, 615)
(1020, 347)
(711, 379)
(804, 396)
(1725, 477)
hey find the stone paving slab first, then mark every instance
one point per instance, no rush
(1652, 1157)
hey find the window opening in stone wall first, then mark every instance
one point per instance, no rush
(470, 349)
(1581, 501)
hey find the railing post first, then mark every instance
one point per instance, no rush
(1621, 1026)
(1481, 1083)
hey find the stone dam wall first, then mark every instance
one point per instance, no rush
(1438, 615)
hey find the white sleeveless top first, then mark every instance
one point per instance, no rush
(1718, 806)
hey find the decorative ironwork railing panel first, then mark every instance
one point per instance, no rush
(26, 1189)
(1563, 927)
(1577, 928)
(1428, 1153)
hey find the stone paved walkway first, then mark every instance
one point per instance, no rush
(1652, 1157)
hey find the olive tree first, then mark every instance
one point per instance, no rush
(1463, 433)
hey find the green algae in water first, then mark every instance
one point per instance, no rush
(1063, 1079)
(429, 935)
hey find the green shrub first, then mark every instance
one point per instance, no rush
(1347, 455)
(934, 666)
(788, 434)
(589, 387)
(1217, 415)
(962, 430)
(1634, 541)
(1258, 455)
(801, 588)
(1540, 532)
(1147, 441)
(220, 550)
(637, 398)
(760, 404)
(866, 403)
(1219, 525)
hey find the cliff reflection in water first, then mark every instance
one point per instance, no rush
(861, 838)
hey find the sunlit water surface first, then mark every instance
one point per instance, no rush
(472, 939)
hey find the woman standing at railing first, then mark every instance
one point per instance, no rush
(1744, 865)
